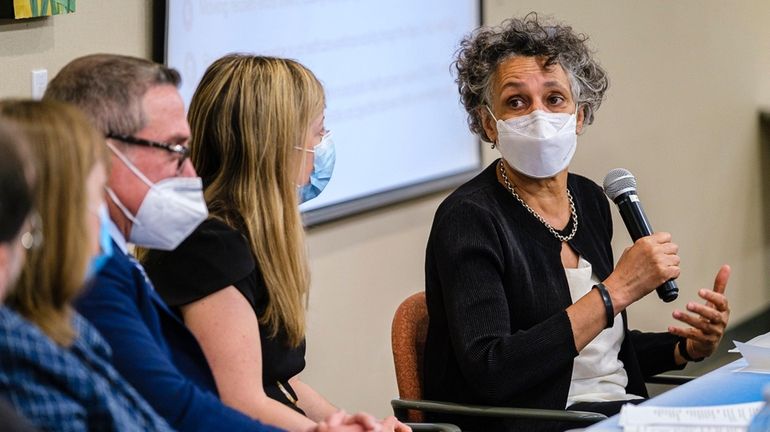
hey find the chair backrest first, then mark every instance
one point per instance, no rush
(408, 333)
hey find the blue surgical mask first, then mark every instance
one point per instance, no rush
(105, 245)
(323, 166)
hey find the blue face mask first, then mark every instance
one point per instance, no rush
(323, 166)
(105, 245)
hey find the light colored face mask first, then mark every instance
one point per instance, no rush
(105, 245)
(324, 156)
(170, 211)
(539, 144)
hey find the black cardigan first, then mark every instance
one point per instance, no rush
(497, 296)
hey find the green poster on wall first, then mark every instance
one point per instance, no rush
(40, 8)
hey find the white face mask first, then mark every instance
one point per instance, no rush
(539, 144)
(170, 211)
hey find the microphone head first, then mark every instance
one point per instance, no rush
(618, 182)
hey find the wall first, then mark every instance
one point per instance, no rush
(122, 27)
(687, 79)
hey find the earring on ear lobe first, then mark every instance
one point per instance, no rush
(494, 144)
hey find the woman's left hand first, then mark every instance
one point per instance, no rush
(365, 421)
(707, 321)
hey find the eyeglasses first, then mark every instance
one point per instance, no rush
(33, 237)
(178, 149)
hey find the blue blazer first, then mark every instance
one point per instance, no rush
(154, 350)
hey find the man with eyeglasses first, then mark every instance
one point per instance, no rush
(155, 200)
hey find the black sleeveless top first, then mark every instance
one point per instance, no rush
(214, 257)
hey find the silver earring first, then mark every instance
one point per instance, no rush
(493, 146)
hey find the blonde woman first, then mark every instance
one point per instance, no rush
(54, 366)
(241, 279)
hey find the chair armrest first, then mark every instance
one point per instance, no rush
(399, 405)
(669, 379)
(434, 427)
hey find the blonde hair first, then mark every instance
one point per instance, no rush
(248, 116)
(65, 148)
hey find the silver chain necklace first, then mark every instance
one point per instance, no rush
(553, 231)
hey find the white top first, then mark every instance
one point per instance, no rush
(597, 373)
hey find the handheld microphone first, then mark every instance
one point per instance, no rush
(620, 187)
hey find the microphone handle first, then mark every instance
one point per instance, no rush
(639, 226)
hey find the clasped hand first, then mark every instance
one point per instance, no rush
(361, 422)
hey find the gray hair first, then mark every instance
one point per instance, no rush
(109, 88)
(482, 51)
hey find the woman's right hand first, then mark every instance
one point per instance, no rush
(342, 422)
(643, 267)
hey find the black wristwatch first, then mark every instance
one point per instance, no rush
(682, 348)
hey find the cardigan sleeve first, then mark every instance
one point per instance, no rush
(497, 361)
(655, 352)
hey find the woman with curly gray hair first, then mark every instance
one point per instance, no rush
(525, 306)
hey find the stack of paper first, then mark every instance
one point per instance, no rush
(756, 352)
(762, 340)
(720, 418)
